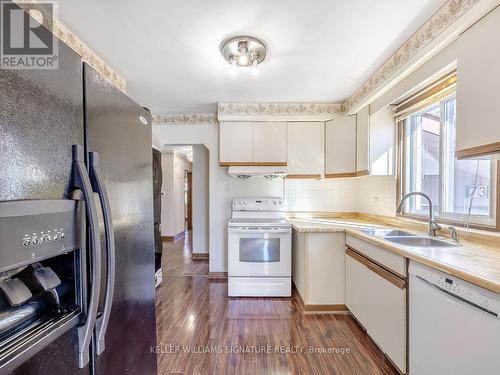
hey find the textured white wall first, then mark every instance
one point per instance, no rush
(201, 191)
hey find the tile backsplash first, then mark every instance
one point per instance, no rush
(328, 195)
(377, 195)
(370, 194)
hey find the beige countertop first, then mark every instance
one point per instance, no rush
(471, 262)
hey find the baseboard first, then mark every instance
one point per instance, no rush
(320, 309)
(217, 275)
(177, 237)
(199, 256)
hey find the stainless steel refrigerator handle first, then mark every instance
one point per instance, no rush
(100, 189)
(82, 181)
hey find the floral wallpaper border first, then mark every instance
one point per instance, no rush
(185, 119)
(89, 56)
(283, 109)
(67, 36)
(430, 30)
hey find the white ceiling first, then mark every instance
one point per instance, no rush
(168, 51)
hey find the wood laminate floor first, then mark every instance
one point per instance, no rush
(202, 331)
(176, 259)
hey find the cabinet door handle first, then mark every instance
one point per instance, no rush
(100, 188)
(389, 276)
(82, 182)
(379, 270)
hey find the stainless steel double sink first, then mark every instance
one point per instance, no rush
(405, 238)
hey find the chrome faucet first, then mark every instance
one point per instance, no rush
(454, 234)
(433, 226)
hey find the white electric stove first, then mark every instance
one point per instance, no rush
(259, 249)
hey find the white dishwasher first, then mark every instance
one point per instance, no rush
(454, 326)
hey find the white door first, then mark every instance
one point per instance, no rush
(255, 252)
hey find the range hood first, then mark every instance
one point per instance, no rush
(257, 171)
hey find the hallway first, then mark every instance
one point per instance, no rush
(177, 259)
(202, 331)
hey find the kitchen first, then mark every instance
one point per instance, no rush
(342, 212)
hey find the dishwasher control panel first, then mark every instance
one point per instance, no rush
(464, 290)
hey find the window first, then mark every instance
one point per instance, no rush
(429, 165)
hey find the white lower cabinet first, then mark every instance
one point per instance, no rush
(377, 298)
(357, 294)
(318, 268)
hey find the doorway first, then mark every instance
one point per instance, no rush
(188, 199)
(185, 208)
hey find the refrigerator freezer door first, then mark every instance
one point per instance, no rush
(115, 129)
(41, 117)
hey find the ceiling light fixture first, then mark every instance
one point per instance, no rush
(244, 51)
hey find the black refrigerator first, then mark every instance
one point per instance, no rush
(76, 225)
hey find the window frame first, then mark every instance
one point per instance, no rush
(490, 222)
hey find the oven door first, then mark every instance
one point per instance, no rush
(259, 251)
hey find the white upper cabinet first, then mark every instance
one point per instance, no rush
(252, 143)
(269, 142)
(305, 149)
(236, 142)
(382, 138)
(362, 141)
(340, 159)
(478, 82)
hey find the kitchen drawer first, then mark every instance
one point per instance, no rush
(259, 286)
(392, 261)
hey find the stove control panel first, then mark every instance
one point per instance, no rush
(258, 204)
